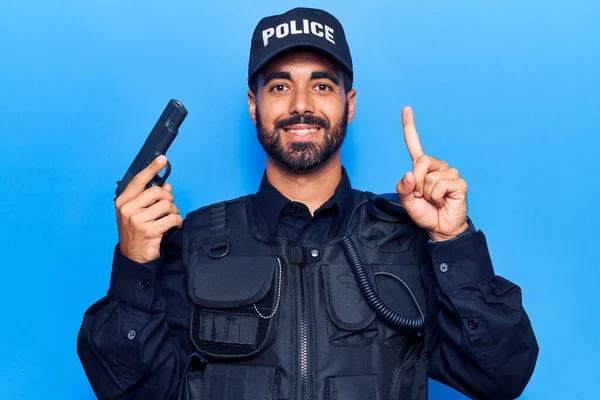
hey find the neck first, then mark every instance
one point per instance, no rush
(312, 188)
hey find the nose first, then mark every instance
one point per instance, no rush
(301, 103)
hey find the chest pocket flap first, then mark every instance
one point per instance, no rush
(346, 305)
(231, 281)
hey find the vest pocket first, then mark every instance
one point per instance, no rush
(397, 297)
(409, 381)
(228, 381)
(351, 319)
(235, 304)
(352, 387)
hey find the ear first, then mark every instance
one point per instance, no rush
(252, 105)
(351, 99)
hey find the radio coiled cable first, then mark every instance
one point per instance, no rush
(370, 294)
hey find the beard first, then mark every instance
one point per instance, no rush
(302, 156)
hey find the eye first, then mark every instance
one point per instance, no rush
(278, 88)
(323, 87)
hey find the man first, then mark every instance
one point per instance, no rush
(308, 289)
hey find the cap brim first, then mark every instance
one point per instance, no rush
(300, 45)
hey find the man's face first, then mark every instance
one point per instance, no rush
(301, 109)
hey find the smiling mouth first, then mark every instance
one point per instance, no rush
(302, 131)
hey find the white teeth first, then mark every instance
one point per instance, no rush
(302, 132)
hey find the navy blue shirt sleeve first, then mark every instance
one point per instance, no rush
(133, 342)
(134, 283)
(481, 340)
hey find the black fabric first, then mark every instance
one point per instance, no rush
(230, 329)
(233, 281)
(217, 223)
(235, 382)
(409, 381)
(353, 387)
(336, 282)
(276, 215)
(225, 323)
(493, 361)
(300, 27)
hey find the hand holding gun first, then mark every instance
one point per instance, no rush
(144, 203)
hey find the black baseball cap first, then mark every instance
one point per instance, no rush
(299, 27)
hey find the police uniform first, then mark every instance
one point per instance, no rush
(255, 298)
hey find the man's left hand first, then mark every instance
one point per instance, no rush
(433, 194)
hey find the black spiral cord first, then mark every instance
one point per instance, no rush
(366, 287)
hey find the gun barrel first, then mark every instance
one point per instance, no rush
(157, 143)
(176, 114)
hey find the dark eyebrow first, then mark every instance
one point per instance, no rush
(313, 76)
(325, 75)
(277, 75)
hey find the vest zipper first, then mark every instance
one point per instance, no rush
(304, 332)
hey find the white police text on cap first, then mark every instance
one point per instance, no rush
(308, 27)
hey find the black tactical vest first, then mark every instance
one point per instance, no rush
(272, 320)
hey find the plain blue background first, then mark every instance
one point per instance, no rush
(506, 91)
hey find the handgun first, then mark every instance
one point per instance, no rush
(156, 144)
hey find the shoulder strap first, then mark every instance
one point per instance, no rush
(214, 227)
(219, 246)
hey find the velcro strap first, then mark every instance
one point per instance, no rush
(297, 255)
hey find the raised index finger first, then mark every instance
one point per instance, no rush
(413, 144)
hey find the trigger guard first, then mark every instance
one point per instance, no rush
(162, 179)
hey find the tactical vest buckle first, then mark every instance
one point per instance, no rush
(218, 250)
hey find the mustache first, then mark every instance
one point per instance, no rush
(302, 119)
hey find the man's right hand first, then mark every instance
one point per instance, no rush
(144, 215)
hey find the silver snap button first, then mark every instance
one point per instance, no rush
(444, 267)
(314, 253)
(131, 334)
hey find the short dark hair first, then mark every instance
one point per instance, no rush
(346, 80)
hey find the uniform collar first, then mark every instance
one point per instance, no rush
(271, 202)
